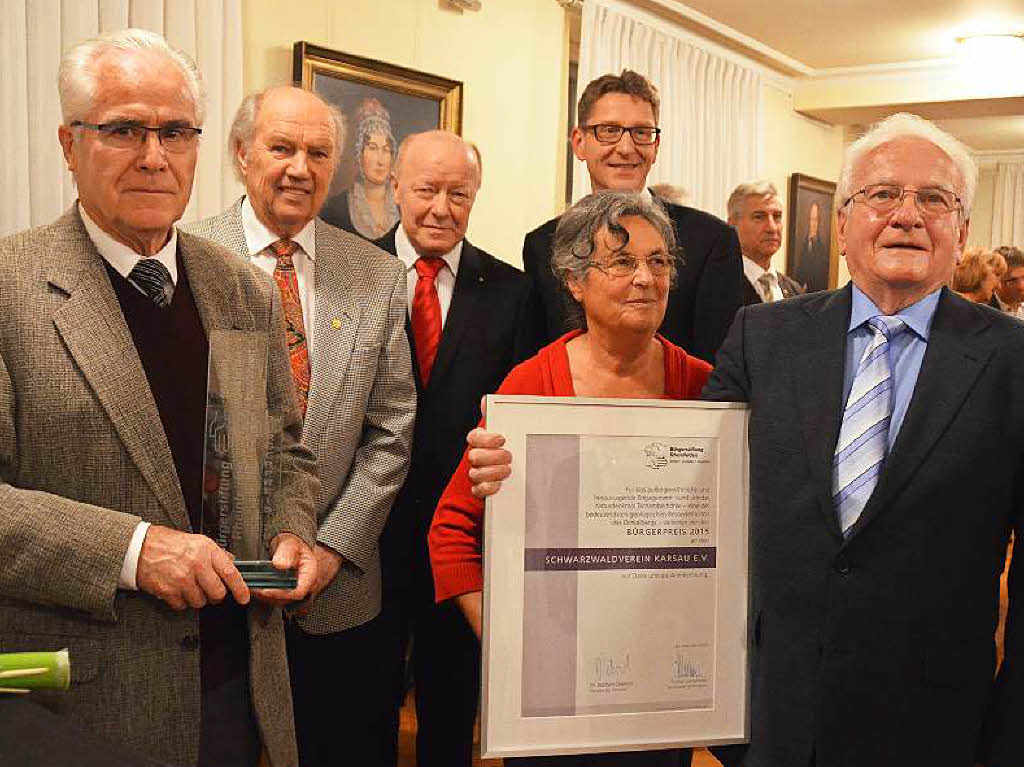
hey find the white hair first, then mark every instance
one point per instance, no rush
(244, 125)
(77, 76)
(734, 206)
(901, 125)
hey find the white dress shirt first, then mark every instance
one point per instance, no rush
(258, 239)
(123, 260)
(445, 280)
(753, 272)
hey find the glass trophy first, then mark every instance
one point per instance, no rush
(241, 478)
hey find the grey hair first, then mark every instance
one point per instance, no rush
(77, 75)
(575, 240)
(372, 124)
(244, 124)
(902, 125)
(734, 207)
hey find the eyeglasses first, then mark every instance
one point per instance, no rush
(885, 198)
(642, 135)
(659, 265)
(131, 135)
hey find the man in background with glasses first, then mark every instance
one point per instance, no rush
(1009, 293)
(617, 136)
(103, 394)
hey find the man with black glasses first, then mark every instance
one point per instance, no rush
(108, 312)
(617, 137)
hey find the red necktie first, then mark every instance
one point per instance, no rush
(295, 328)
(426, 315)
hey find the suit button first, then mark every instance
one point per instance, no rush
(842, 566)
(190, 643)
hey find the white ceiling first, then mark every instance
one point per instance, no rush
(838, 34)
(851, 33)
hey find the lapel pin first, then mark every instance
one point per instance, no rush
(336, 323)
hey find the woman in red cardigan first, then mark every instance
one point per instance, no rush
(614, 252)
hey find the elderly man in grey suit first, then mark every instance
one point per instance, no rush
(344, 305)
(103, 390)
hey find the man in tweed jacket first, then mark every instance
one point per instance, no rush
(96, 515)
(361, 405)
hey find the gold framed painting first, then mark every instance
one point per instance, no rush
(812, 255)
(382, 104)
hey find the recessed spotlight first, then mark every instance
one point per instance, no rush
(993, 42)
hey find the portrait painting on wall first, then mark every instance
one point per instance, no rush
(811, 252)
(382, 104)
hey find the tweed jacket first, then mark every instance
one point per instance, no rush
(84, 458)
(361, 411)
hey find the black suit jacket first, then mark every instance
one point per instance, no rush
(790, 288)
(878, 650)
(493, 324)
(704, 300)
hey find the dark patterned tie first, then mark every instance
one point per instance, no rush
(426, 315)
(153, 279)
(295, 328)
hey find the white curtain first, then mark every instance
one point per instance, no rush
(710, 101)
(35, 186)
(1008, 205)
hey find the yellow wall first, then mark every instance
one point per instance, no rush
(793, 143)
(511, 57)
(980, 232)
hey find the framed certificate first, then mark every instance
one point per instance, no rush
(616, 577)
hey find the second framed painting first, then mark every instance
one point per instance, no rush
(812, 255)
(382, 104)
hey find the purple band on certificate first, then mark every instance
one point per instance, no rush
(668, 558)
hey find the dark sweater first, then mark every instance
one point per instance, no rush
(174, 351)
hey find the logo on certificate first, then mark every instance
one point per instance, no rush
(657, 455)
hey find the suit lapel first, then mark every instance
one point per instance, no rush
(952, 363)
(336, 325)
(92, 326)
(465, 297)
(819, 375)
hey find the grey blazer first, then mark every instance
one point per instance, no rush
(361, 410)
(83, 458)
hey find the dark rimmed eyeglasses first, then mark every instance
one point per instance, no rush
(885, 198)
(642, 135)
(131, 135)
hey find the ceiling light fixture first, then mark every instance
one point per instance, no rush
(996, 43)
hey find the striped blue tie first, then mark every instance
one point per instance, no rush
(864, 435)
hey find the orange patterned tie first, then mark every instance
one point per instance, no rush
(295, 328)
(426, 315)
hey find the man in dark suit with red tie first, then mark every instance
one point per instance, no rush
(471, 319)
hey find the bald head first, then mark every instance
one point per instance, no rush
(436, 178)
(436, 143)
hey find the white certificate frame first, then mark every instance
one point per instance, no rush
(505, 730)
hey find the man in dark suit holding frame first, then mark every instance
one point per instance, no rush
(617, 137)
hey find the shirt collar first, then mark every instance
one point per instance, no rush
(918, 316)
(258, 237)
(122, 258)
(753, 270)
(408, 255)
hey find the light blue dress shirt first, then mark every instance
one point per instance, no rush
(906, 350)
